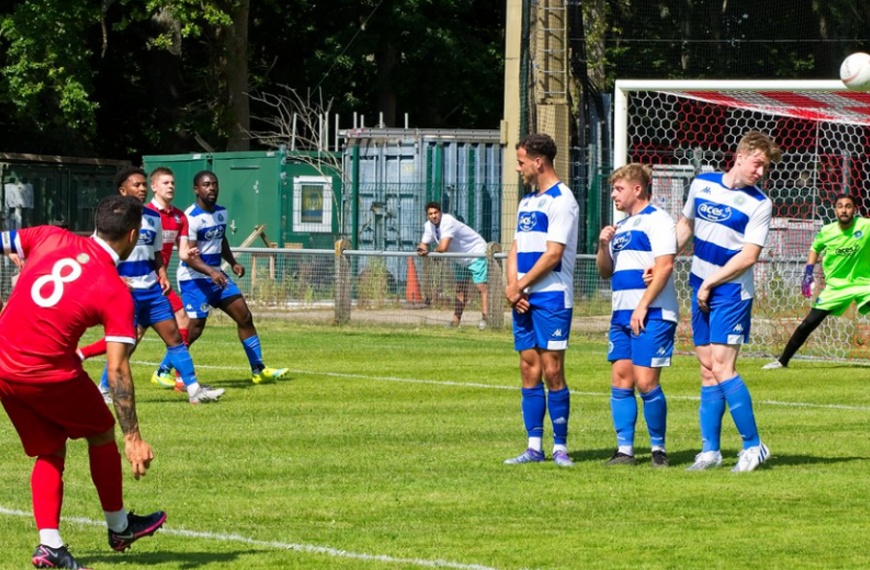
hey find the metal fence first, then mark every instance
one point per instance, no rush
(347, 287)
(392, 288)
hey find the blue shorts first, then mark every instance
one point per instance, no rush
(547, 329)
(152, 306)
(652, 348)
(476, 271)
(727, 322)
(199, 295)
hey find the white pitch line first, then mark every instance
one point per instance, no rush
(306, 548)
(516, 388)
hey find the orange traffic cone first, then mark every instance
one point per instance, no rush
(412, 290)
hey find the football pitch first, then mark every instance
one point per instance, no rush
(384, 450)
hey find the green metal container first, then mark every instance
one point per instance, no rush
(291, 196)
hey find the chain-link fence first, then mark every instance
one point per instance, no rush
(392, 288)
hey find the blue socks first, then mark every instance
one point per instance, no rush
(623, 408)
(655, 412)
(559, 406)
(254, 353)
(179, 358)
(534, 405)
(166, 363)
(104, 379)
(740, 403)
(710, 413)
(713, 399)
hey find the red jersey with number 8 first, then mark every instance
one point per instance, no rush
(69, 284)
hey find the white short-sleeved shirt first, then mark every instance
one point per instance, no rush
(725, 220)
(638, 241)
(550, 215)
(463, 239)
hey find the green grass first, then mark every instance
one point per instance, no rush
(384, 450)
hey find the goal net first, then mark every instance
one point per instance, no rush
(682, 128)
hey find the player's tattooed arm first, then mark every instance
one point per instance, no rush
(125, 404)
(121, 386)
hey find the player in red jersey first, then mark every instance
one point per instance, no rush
(174, 224)
(70, 283)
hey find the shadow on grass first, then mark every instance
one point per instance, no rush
(184, 559)
(685, 458)
(246, 383)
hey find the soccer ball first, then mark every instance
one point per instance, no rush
(855, 72)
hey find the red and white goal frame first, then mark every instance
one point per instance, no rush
(685, 127)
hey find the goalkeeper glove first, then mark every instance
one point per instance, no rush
(807, 282)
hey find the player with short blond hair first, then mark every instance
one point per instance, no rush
(729, 217)
(644, 321)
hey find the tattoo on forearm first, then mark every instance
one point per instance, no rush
(125, 405)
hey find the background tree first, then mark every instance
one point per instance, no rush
(122, 78)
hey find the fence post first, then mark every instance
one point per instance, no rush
(342, 283)
(495, 284)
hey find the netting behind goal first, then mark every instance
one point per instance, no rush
(683, 128)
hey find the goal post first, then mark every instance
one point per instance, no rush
(686, 127)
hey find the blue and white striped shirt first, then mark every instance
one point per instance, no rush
(638, 241)
(207, 229)
(138, 269)
(552, 215)
(725, 220)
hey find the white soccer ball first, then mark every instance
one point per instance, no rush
(855, 72)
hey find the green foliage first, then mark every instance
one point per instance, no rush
(375, 285)
(47, 75)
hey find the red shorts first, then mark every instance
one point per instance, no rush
(46, 414)
(174, 301)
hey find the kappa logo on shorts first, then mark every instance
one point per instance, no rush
(661, 351)
(557, 333)
(738, 328)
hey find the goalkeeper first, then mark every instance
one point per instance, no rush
(846, 266)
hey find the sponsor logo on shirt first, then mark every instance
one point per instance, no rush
(621, 241)
(713, 212)
(527, 221)
(214, 233)
(846, 250)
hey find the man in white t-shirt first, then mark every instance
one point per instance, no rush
(450, 235)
